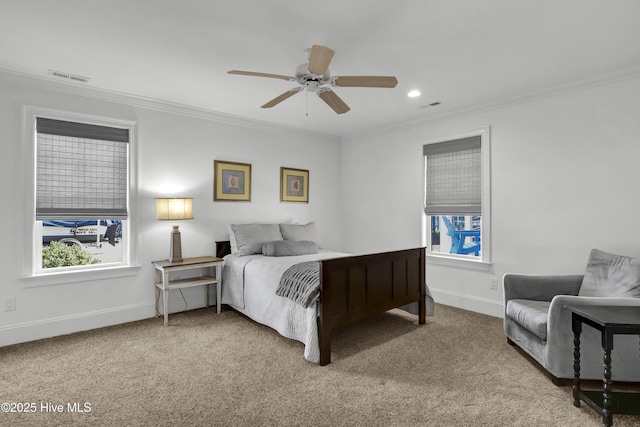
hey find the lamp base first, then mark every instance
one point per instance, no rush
(175, 254)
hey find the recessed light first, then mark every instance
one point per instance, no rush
(413, 94)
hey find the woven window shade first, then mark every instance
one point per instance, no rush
(81, 171)
(453, 177)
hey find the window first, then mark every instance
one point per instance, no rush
(456, 203)
(82, 186)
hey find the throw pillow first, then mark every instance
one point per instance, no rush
(609, 275)
(289, 248)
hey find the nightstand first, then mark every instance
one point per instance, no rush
(163, 282)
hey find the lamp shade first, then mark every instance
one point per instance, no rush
(174, 209)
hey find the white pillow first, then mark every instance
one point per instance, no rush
(232, 240)
(250, 237)
(299, 232)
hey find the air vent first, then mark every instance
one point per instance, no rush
(433, 104)
(67, 76)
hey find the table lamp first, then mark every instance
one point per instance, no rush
(174, 209)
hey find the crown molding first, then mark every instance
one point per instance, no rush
(79, 89)
(576, 86)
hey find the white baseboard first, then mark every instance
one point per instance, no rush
(63, 325)
(47, 328)
(468, 302)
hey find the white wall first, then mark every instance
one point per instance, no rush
(564, 180)
(176, 154)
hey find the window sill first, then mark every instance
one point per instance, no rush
(458, 262)
(64, 277)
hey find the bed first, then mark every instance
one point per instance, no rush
(350, 288)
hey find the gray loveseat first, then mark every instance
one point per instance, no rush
(535, 319)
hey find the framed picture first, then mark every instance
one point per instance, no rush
(294, 185)
(231, 181)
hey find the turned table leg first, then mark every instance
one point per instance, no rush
(576, 326)
(607, 347)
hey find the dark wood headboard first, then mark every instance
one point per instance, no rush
(223, 247)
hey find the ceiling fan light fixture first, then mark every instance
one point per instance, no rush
(414, 94)
(313, 86)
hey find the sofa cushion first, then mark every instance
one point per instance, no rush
(530, 314)
(609, 275)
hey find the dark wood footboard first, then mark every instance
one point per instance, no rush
(358, 287)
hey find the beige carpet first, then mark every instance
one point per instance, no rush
(209, 369)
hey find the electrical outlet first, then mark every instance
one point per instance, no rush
(10, 304)
(493, 283)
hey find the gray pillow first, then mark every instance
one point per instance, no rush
(249, 238)
(610, 275)
(299, 232)
(289, 248)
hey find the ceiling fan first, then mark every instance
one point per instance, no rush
(315, 78)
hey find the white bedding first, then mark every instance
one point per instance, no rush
(249, 286)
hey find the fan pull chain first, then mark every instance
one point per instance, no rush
(306, 96)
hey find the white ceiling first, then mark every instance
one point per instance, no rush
(466, 54)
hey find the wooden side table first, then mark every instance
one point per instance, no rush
(609, 320)
(163, 282)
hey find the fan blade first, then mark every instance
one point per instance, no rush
(278, 99)
(365, 81)
(251, 73)
(333, 101)
(319, 59)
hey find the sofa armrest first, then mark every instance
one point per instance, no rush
(539, 287)
(560, 318)
(559, 332)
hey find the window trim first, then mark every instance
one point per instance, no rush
(30, 274)
(484, 261)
